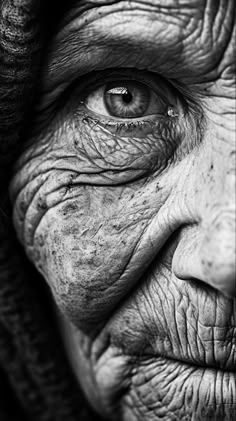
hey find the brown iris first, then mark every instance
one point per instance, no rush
(127, 99)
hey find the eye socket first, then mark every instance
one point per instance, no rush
(125, 99)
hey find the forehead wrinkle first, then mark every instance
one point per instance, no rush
(78, 8)
(154, 3)
(88, 12)
(120, 36)
(197, 12)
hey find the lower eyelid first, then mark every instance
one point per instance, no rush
(109, 149)
(139, 128)
(144, 124)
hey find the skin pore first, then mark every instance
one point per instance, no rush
(124, 200)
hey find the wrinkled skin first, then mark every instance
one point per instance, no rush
(134, 230)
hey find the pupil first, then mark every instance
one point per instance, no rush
(127, 97)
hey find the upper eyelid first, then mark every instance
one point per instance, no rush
(85, 84)
(161, 86)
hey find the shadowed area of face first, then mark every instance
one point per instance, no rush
(128, 210)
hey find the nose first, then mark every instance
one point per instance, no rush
(208, 255)
(217, 253)
(207, 249)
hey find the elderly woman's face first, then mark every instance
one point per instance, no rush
(124, 199)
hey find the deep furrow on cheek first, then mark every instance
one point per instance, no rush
(23, 202)
(56, 190)
(38, 196)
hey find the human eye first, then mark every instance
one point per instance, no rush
(122, 121)
(128, 100)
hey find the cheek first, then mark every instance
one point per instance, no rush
(83, 246)
(92, 243)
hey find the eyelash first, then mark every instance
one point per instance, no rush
(123, 126)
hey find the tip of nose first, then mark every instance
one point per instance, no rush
(222, 277)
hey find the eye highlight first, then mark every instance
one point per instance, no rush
(125, 99)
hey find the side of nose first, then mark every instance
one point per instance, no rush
(217, 252)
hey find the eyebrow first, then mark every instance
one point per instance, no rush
(123, 45)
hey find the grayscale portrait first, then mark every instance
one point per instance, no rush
(117, 210)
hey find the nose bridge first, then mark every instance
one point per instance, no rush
(219, 202)
(216, 174)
